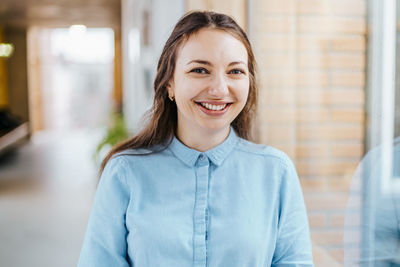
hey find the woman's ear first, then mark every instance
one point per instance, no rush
(170, 90)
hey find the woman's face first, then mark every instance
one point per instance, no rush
(211, 81)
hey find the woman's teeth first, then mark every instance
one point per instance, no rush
(213, 107)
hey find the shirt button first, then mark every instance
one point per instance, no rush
(202, 157)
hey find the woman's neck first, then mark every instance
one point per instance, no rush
(202, 140)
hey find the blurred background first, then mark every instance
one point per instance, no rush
(76, 77)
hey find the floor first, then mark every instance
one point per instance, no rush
(46, 191)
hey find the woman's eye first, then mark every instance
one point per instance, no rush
(236, 71)
(199, 70)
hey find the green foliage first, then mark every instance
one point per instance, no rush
(116, 132)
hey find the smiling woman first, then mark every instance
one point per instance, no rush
(210, 86)
(190, 189)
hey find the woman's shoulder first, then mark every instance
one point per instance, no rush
(131, 162)
(140, 152)
(137, 156)
(262, 150)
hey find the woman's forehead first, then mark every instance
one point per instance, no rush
(212, 44)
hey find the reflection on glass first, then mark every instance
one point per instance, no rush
(372, 227)
(375, 239)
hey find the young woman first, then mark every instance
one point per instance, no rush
(190, 190)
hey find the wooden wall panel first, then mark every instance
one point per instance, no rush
(3, 76)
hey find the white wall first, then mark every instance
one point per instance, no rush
(139, 60)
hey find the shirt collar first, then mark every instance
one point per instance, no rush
(217, 154)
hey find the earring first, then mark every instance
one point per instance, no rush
(171, 98)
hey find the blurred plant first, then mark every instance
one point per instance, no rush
(116, 132)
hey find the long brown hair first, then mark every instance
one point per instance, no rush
(162, 117)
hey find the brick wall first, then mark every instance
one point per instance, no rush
(312, 61)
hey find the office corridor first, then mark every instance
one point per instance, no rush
(46, 190)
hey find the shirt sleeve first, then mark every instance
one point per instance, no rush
(105, 240)
(293, 246)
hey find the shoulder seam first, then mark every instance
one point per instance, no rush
(123, 179)
(281, 159)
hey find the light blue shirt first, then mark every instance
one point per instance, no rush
(238, 204)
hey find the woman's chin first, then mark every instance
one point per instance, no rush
(216, 127)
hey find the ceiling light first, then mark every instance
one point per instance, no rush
(6, 50)
(77, 30)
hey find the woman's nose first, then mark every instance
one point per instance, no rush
(219, 86)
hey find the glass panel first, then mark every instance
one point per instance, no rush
(397, 91)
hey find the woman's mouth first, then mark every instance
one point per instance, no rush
(213, 109)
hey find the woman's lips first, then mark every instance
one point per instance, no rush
(213, 108)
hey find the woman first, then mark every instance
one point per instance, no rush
(190, 190)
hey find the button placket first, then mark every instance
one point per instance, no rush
(199, 220)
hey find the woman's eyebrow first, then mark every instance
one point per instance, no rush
(237, 62)
(204, 62)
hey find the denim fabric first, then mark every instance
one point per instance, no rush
(238, 204)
